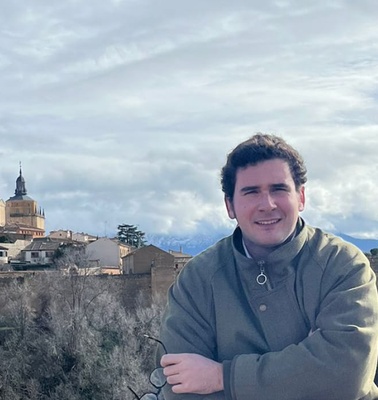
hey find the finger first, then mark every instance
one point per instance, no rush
(174, 379)
(169, 359)
(179, 388)
(170, 370)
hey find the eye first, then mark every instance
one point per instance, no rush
(280, 189)
(252, 191)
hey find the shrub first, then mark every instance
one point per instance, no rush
(70, 338)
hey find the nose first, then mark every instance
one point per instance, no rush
(267, 202)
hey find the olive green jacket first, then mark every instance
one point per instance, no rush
(310, 332)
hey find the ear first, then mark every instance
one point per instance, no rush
(302, 198)
(230, 207)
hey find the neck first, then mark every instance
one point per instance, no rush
(258, 252)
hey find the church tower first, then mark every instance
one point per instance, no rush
(23, 210)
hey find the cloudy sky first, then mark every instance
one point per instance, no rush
(124, 111)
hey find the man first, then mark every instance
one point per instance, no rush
(279, 310)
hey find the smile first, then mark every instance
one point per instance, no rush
(270, 222)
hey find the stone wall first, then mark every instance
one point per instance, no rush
(136, 289)
(133, 289)
(161, 279)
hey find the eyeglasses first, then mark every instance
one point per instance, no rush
(157, 377)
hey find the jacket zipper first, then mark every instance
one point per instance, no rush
(262, 278)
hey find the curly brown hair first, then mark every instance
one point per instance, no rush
(259, 148)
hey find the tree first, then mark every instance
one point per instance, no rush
(71, 256)
(374, 252)
(71, 339)
(129, 234)
(5, 239)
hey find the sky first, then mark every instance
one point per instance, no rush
(124, 111)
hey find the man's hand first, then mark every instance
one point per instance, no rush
(192, 373)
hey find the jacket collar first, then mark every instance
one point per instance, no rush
(278, 258)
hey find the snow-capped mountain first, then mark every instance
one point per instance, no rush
(194, 245)
(364, 244)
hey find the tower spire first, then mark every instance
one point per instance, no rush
(20, 185)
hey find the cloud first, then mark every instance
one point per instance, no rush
(124, 111)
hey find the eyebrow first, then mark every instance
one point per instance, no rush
(249, 188)
(281, 186)
(273, 186)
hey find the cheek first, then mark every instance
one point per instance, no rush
(239, 210)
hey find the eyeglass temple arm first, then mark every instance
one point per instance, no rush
(132, 391)
(156, 340)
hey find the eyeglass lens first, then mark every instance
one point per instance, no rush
(157, 378)
(149, 396)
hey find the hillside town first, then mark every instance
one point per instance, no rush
(25, 248)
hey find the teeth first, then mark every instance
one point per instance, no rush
(267, 222)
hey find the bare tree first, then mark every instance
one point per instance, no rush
(72, 339)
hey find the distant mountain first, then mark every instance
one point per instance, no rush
(194, 245)
(364, 244)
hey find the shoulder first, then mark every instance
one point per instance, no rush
(338, 259)
(325, 247)
(204, 266)
(192, 290)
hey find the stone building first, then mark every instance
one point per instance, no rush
(143, 259)
(40, 251)
(2, 212)
(20, 231)
(3, 255)
(22, 210)
(180, 259)
(160, 265)
(105, 252)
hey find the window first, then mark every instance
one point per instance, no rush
(34, 254)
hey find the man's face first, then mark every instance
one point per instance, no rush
(266, 203)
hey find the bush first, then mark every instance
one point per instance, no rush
(70, 338)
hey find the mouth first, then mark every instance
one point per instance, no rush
(267, 222)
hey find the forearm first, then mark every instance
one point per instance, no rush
(313, 369)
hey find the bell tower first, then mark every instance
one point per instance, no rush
(22, 209)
